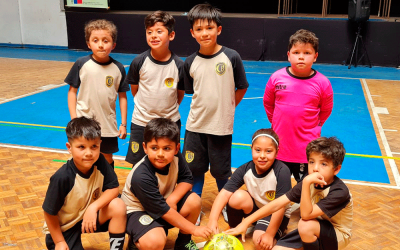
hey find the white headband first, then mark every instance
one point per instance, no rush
(267, 135)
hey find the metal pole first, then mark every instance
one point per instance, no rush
(279, 6)
(390, 4)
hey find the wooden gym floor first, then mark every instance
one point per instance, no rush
(24, 172)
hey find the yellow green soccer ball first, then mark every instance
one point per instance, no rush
(223, 242)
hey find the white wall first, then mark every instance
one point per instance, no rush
(37, 22)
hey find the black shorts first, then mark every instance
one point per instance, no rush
(327, 238)
(204, 150)
(73, 235)
(299, 170)
(135, 149)
(139, 223)
(109, 145)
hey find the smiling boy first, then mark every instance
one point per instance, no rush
(82, 194)
(158, 193)
(156, 81)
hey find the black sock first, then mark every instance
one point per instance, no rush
(117, 241)
(112, 164)
(311, 245)
(182, 241)
(235, 216)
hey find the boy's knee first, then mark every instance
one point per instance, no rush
(153, 240)
(238, 199)
(194, 201)
(308, 228)
(117, 207)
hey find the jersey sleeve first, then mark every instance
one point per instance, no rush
(337, 199)
(237, 178)
(180, 65)
(184, 173)
(284, 183)
(294, 195)
(110, 177)
(188, 80)
(60, 185)
(123, 86)
(73, 78)
(133, 75)
(269, 99)
(239, 73)
(326, 103)
(144, 186)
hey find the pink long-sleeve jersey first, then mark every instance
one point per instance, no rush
(297, 108)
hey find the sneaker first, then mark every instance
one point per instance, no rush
(225, 214)
(250, 229)
(199, 218)
(189, 246)
(131, 245)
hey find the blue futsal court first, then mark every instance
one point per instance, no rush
(39, 120)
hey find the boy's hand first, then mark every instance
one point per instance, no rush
(62, 245)
(213, 225)
(89, 220)
(239, 229)
(315, 178)
(265, 241)
(122, 132)
(202, 231)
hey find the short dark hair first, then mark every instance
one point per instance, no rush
(331, 148)
(160, 16)
(304, 36)
(205, 11)
(161, 128)
(85, 127)
(101, 24)
(268, 131)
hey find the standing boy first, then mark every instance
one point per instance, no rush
(82, 194)
(100, 80)
(158, 193)
(156, 81)
(298, 100)
(215, 76)
(326, 204)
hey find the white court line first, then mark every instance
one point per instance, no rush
(390, 130)
(123, 158)
(385, 143)
(42, 89)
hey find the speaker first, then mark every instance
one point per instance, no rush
(359, 10)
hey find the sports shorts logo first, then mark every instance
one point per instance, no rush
(169, 82)
(145, 220)
(189, 156)
(220, 68)
(96, 194)
(135, 147)
(270, 195)
(109, 81)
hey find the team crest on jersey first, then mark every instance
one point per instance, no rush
(135, 147)
(189, 156)
(270, 195)
(169, 82)
(109, 81)
(145, 220)
(220, 68)
(96, 194)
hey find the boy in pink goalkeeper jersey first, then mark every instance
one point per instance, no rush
(298, 100)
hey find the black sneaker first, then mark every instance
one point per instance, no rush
(189, 246)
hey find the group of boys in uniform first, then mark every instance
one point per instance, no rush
(163, 189)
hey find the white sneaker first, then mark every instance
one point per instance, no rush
(199, 218)
(225, 214)
(250, 229)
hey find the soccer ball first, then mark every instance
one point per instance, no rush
(223, 242)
